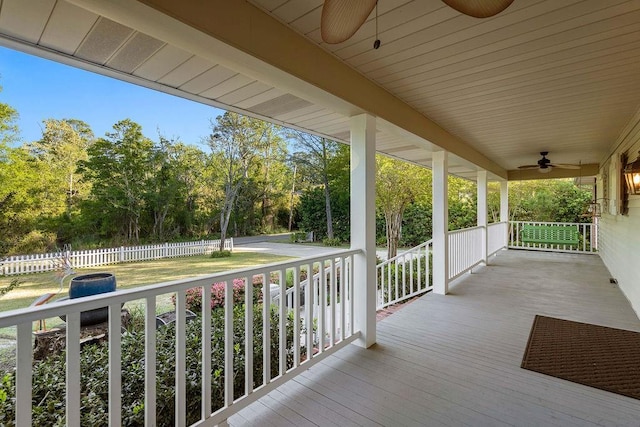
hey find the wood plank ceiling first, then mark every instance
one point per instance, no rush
(554, 75)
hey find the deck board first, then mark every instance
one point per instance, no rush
(454, 360)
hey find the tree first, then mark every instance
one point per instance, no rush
(272, 178)
(236, 142)
(170, 185)
(190, 169)
(315, 156)
(9, 188)
(397, 183)
(119, 166)
(554, 200)
(63, 145)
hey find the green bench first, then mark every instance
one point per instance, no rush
(550, 234)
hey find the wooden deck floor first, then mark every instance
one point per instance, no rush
(455, 360)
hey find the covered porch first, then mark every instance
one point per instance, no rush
(444, 359)
(455, 359)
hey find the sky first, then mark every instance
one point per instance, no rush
(40, 89)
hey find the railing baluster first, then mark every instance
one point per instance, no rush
(395, 273)
(181, 359)
(332, 304)
(266, 328)
(342, 299)
(282, 280)
(308, 312)
(248, 333)
(351, 297)
(228, 342)
(73, 370)
(418, 262)
(150, 362)
(206, 351)
(24, 360)
(115, 365)
(296, 314)
(411, 268)
(322, 288)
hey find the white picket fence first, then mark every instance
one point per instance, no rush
(39, 263)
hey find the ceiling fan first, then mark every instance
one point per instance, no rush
(544, 165)
(342, 18)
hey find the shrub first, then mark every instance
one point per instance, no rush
(194, 295)
(220, 254)
(331, 242)
(35, 242)
(49, 374)
(298, 236)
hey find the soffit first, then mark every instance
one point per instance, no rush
(558, 76)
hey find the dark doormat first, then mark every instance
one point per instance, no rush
(596, 356)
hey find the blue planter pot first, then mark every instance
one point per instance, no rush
(92, 284)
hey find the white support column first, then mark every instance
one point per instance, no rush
(440, 223)
(504, 209)
(482, 212)
(363, 224)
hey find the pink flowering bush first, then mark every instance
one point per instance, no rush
(194, 295)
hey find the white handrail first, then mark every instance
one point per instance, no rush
(404, 276)
(313, 338)
(496, 237)
(465, 251)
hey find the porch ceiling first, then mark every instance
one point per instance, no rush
(551, 75)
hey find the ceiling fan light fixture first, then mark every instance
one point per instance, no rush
(341, 18)
(479, 8)
(545, 169)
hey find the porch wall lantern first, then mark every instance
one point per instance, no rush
(632, 176)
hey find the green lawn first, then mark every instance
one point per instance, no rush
(130, 275)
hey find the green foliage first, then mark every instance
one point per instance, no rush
(49, 374)
(15, 283)
(125, 188)
(397, 184)
(331, 242)
(416, 224)
(298, 237)
(35, 241)
(549, 200)
(246, 151)
(312, 206)
(118, 167)
(220, 254)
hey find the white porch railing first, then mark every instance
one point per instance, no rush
(588, 237)
(38, 263)
(496, 237)
(291, 341)
(404, 276)
(465, 250)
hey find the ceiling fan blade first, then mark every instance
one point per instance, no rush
(525, 167)
(564, 166)
(479, 8)
(342, 18)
